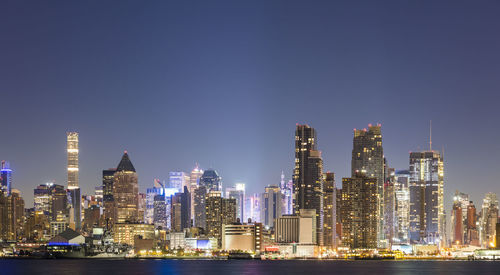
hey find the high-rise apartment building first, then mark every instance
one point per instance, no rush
(181, 210)
(359, 211)
(368, 159)
(200, 219)
(194, 181)
(125, 191)
(178, 180)
(270, 206)
(426, 198)
(329, 210)
(308, 176)
(219, 211)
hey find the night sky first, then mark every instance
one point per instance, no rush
(224, 84)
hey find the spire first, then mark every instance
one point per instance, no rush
(430, 135)
(125, 164)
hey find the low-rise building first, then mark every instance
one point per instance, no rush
(125, 232)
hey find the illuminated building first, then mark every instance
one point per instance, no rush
(200, 219)
(426, 198)
(42, 198)
(402, 219)
(194, 181)
(270, 207)
(211, 180)
(389, 203)
(308, 175)
(125, 191)
(242, 237)
(329, 210)
(5, 178)
(57, 228)
(219, 211)
(160, 211)
(73, 188)
(360, 217)
(252, 207)
(178, 180)
(150, 199)
(125, 233)
(457, 225)
(488, 220)
(37, 227)
(107, 183)
(238, 193)
(472, 233)
(368, 159)
(286, 194)
(91, 218)
(181, 210)
(298, 228)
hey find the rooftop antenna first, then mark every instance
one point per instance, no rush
(430, 135)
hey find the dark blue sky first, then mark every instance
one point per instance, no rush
(224, 83)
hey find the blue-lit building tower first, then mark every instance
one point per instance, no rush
(6, 178)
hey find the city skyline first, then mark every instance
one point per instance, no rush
(231, 104)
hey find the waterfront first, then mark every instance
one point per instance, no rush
(15, 266)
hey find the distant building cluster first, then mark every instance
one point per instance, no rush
(377, 207)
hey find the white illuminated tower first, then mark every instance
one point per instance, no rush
(72, 148)
(73, 188)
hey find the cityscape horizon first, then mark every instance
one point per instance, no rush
(256, 130)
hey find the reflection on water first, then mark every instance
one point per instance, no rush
(191, 267)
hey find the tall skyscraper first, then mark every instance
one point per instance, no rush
(126, 191)
(194, 181)
(72, 149)
(181, 210)
(308, 176)
(359, 211)
(459, 222)
(329, 210)
(270, 207)
(219, 211)
(368, 158)
(74, 197)
(426, 197)
(488, 220)
(238, 193)
(287, 195)
(402, 193)
(5, 178)
(178, 180)
(389, 204)
(200, 194)
(211, 180)
(472, 233)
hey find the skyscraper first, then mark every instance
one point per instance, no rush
(488, 220)
(181, 210)
(178, 180)
(329, 210)
(359, 211)
(286, 194)
(194, 181)
(426, 197)
(308, 176)
(211, 180)
(472, 234)
(200, 194)
(219, 211)
(125, 191)
(402, 218)
(238, 193)
(270, 207)
(74, 197)
(5, 178)
(368, 158)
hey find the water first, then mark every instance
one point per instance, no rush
(255, 267)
